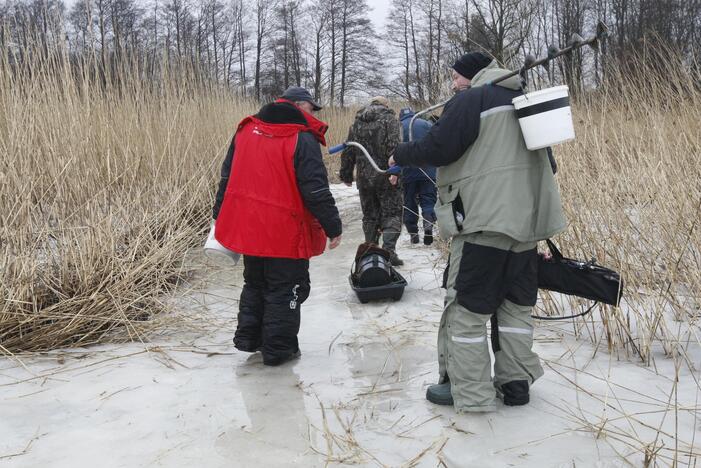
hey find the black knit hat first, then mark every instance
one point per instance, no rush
(470, 64)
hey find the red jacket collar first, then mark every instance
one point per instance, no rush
(314, 125)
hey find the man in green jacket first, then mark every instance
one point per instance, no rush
(496, 200)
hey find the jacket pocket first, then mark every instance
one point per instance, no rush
(450, 216)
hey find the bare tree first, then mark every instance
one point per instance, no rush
(506, 25)
(319, 16)
(398, 37)
(262, 12)
(358, 51)
(569, 19)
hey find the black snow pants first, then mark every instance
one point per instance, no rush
(269, 309)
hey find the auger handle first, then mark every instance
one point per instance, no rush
(337, 148)
(394, 170)
(422, 112)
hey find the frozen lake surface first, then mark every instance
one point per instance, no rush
(356, 396)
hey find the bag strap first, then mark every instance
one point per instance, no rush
(559, 317)
(554, 250)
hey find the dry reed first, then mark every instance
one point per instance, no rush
(105, 183)
(631, 184)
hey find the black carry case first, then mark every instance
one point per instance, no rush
(373, 269)
(372, 276)
(578, 278)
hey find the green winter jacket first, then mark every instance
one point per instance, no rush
(487, 179)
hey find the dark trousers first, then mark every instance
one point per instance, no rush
(269, 309)
(381, 204)
(417, 193)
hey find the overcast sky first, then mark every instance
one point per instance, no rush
(378, 12)
(380, 8)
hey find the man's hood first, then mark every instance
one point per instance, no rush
(374, 112)
(492, 72)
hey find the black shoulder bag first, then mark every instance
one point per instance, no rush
(578, 278)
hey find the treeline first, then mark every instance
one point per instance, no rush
(427, 36)
(260, 47)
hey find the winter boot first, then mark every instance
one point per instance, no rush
(515, 393)
(439, 394)
(276, 361)
(246, 347)
(414, 237)
(428, 237)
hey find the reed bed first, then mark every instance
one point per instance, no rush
(105, 183)
(631, 186)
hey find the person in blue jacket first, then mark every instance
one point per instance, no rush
(419, 184)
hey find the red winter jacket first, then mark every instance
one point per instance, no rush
(263, 212)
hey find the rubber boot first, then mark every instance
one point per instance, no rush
(429, 223)
(394, 259)
(389, 242)
(439, 394)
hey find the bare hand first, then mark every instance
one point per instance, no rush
(335, 242)
(391, 161)
(393, 179)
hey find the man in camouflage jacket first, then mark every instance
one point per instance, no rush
(376, 128)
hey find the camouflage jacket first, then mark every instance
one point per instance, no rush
(376, 127)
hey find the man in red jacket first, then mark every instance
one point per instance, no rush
(274, 207)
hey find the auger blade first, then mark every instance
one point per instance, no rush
(602, 30)
(594, 44)
(529, 61)
(576, 40)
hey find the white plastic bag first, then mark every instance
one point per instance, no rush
(214, 249)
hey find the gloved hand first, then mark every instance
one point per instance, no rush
(335, 242)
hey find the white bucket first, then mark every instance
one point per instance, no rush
(545, 117)
(214, 249)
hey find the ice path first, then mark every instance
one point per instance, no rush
(355, 397)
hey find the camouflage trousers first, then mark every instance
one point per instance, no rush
(381, 203)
